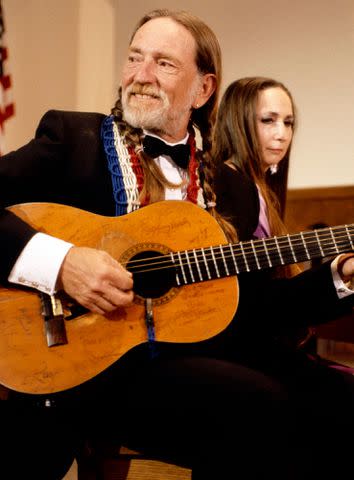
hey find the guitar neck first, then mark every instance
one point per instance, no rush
(203, 264)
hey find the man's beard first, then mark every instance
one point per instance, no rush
(145, 117)
(159, 119)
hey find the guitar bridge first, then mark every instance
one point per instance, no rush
(54, 325)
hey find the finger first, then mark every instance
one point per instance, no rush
(110, 299)
(346, 266)
(99, 305)
(114, 263)
(118, 298)
(104, 305)
(121, 278)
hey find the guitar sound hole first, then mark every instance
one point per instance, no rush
(153, 274)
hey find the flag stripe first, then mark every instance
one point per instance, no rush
(7, 107)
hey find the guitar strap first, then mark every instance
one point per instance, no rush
(150, 325)
(127, 178)
(127, 173)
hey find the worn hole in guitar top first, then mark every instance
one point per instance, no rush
(153, 273)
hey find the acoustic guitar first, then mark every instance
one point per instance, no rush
(185, 284)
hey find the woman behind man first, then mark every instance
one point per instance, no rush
(253, 137)
(254, 133)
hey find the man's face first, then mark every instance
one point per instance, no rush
(160, 81)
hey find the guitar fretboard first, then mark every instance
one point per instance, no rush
(209, 263)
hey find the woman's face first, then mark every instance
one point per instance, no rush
(274, 121)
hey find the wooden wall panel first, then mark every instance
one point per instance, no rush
(328, 206)
(331, 206)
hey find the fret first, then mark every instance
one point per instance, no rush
(203, 264)
(215, 262)
(178, 282)
(206, 264)
(197, 264)
(298, 247)
(349, 237)
(242, 266)
(244, 257)
(319, 243)
(182, 269)
(255, 255)
(267, 253)
(291, 248)
(279, 252)
(328, 241)
(334, 241)
(272, 249)
(234, 259)
(312, 244)
(189, 266)
(341, 238)
(305, 246)
(224, 260)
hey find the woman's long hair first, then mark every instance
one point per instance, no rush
(236, 140)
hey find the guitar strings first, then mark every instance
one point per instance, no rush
(322, 239)
(257, 244)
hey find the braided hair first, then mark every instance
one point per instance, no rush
(202, 120)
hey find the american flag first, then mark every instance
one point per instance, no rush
(7, 108)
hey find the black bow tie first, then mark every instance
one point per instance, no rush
(154, 147)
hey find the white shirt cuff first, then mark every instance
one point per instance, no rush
(343, 289)
(39, 263)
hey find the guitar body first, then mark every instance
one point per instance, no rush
(190, 313)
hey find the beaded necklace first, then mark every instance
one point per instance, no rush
(127, 173)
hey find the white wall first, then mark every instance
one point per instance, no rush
(68, 54)
(61, 56)
(42, 40)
